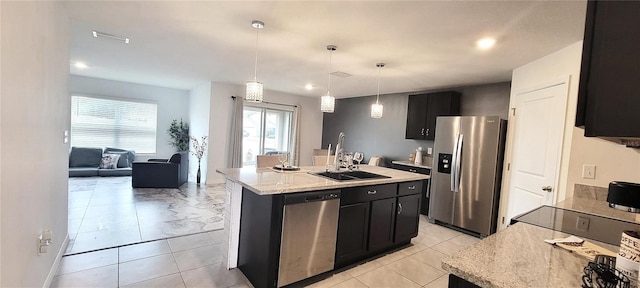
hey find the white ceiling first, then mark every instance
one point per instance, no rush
(425, 44)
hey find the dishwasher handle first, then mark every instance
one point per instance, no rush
(308, 197)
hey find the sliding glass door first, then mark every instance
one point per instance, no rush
(265, 131)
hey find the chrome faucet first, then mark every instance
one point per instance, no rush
(338, 158)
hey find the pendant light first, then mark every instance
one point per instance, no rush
(328, 102)
(376, 109)
(254, 88)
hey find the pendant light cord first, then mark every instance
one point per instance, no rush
(378, 95)
(329, 86)
(255, 72)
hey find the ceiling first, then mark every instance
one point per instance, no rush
(425, 44)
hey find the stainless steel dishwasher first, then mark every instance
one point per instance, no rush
(309, 232)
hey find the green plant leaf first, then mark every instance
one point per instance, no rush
(179, 134)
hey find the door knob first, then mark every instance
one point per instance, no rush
(547, 188)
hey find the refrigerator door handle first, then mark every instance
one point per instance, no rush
(454, 157)
(458, 160)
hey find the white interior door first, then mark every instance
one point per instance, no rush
(537, 147)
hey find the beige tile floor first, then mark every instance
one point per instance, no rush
(196, 261)
(106, 212)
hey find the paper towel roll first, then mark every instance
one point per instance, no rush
(628, 259)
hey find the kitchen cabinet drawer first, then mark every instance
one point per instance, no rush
(368, 193)
(419, 170)
(408, 188)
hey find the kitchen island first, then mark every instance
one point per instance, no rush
(372, 216)
(518, 257)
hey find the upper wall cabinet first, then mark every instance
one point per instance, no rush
(423, 110)
(609, 91)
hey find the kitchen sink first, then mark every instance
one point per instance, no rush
(350, 175)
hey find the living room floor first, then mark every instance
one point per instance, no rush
(107, 212)
(197, 261)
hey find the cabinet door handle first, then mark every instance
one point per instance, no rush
(427, 131)
(372, 192)
(413, 187)
(422, 132)
(399, 208)
(413, 170)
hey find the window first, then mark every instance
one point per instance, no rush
(265, 131)
(101, 122)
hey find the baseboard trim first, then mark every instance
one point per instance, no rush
(56, 263)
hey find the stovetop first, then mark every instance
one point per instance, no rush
(581, 224)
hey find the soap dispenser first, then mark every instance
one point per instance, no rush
(419, 156)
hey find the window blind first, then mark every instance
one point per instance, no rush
(101, 122)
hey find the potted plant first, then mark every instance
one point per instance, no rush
(179, 134)
(199, 148)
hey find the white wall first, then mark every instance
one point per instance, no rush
(199, 103)
(220, 124)
(35, 112)
(613, 161)
(172, 104)
(555, 66)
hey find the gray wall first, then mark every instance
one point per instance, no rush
(385, 136)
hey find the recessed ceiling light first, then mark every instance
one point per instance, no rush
(107, 35)
(308, 86)
(485, 43)
(81, 65)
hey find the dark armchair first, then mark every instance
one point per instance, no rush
(161, 173)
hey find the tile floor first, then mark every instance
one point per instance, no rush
(196, 261)
(106, 212)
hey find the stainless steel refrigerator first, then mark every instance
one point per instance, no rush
(466, 172)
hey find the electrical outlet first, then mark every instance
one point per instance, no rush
(589, 171)
(429, 150)
(582, 223)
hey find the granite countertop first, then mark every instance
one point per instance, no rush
(407, 163)
(266, 181)
(518, 257)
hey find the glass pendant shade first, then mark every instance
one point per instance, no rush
(327, 103)
(376, 110)
(254, 88)
(254, 91)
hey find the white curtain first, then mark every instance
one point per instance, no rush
(235, 149)
(295, 143)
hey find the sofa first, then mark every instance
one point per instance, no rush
(161, 173)
(86, 162)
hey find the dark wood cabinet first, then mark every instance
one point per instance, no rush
(608, 100)
(369, 222)
(457, 282)
(407, 217)
(423, 109)
(382, 223)
(424, 199)
(372, 220)
(259, 243)
(353, 232)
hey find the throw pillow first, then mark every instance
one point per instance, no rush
(131, 155)
(123, 161)
(109, 161)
